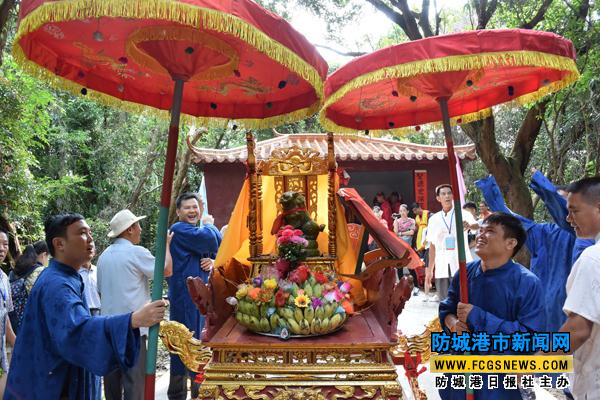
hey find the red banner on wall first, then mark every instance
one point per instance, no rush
(421, 187)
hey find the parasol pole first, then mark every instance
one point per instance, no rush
(161, 234)
(460, 237)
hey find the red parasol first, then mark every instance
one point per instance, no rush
(242, 62)
(400, 86)
(457, 76)
(238, 61)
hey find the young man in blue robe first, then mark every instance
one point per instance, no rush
(61, 350)
(554, 247)
(503, 296)
(192, 249)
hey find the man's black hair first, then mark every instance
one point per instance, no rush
(512, 228)
(415, 205)
(186, 196)
(470, 204)
(588, 188)
(440, 187)
(6, 233)
(56, 226)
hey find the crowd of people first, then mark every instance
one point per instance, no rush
(74, 325)
(427, 234)
(558, 293)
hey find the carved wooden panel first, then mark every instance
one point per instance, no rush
(312, 196)
(295, 184)
(292, 161)
(279, 190)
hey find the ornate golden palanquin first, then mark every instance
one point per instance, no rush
(356, 362)
(293, 169)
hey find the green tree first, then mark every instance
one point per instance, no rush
(505, 144)
(26, 108)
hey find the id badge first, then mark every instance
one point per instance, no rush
(450, 242)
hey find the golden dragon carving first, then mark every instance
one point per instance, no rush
(418, 343)
(179, 340)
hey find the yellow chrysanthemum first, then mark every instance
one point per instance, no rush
(270, 284)
(302, 301)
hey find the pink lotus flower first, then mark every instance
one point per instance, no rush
(345, 287)
(334, 295)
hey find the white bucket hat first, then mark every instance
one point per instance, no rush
(121, 221)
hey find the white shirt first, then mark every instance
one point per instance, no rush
(583, 298)
(440, 226)
(123, 273)
(90, 286)
(6, 306)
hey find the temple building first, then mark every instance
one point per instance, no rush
(373, 165)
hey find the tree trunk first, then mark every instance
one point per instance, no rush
(184, 161)
(151, 156)
(5, 9)
(507, 173)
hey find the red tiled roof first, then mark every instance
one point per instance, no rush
(347, 147)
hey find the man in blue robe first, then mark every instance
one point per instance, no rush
(192, 249)
(61, 349)
(503, 296)
(554, 247)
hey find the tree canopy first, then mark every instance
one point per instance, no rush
(59, 152)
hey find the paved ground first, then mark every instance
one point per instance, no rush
(162, 384)
(412, 321)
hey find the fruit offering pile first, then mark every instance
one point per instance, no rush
(305, 303)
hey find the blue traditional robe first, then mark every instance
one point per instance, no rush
(507, 299)
(557, 207)
(189, 245)
(554, 247)
(61, 349)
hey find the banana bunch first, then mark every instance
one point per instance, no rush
(256, 318)
(299, 321)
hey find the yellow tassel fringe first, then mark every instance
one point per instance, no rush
(458, 63)
(400, 132)
(167, 10)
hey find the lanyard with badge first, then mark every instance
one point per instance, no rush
(450, 240)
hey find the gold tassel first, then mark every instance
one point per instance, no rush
(458, 63)
(331, 126)
(167, 10)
